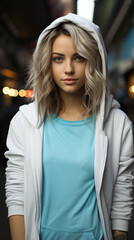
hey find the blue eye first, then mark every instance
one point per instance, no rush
(57, 59)
(79, 58)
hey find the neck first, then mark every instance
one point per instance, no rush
(73, 107)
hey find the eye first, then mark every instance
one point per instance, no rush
(57, 59)
(79, 58)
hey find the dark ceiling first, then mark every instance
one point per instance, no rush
(21, 22)
(25, 19)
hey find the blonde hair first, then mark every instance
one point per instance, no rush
(45, 91)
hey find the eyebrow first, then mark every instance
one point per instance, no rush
(58, 53)
(61, 54)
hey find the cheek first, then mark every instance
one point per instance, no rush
(55, 70)
(81, 68)
(56, 76)
(82, 72)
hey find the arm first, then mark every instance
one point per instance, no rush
(17, 228)
(122, 203)
(15, 179)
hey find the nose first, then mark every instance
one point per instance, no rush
(69, 69)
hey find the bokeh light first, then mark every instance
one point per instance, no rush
(11, 92)
(5, 90)
(29, 93)
(131, 89)
(22, 93)
(14, 92)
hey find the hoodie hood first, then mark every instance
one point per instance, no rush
(93, 30)
(85, 24)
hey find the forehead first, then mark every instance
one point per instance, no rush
(62, 43)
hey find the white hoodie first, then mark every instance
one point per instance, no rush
(113, 157)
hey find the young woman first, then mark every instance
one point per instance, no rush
(70, 167)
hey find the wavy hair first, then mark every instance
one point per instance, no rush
(45, 91)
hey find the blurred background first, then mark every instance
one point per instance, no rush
(20, 25)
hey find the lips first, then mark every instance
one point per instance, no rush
(69, 81)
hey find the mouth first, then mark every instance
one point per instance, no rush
(70, 81)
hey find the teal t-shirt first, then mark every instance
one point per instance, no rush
(69, 204)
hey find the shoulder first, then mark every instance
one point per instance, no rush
(27, 114)
(118, 122)
(113, 111)
(28, 107)
(118, 114)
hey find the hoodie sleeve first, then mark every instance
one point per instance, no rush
(15, 168)
(123, 191)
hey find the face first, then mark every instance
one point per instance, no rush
(68, 67)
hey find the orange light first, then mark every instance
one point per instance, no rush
(29, 93)
(9, 73)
